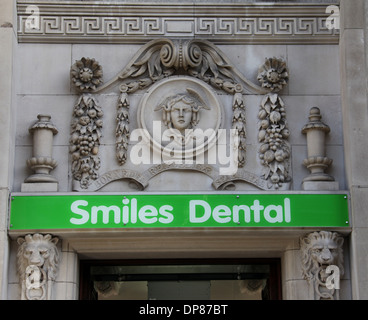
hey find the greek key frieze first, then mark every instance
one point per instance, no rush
(120, 29)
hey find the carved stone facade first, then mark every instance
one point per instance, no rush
(189, 99)
(184, 80)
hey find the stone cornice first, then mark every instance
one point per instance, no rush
(114, 22)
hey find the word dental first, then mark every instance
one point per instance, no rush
(199, 212)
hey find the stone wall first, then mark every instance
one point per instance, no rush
(314, 81)
(353, 53)
(7, 40)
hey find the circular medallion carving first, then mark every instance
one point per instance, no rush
(180, 116)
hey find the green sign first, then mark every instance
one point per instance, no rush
(178, 210)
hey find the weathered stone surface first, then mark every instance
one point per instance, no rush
(42, 83)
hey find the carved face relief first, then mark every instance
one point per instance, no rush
(36, 254)
(320, 249)
(181, 111)
(181, 115)
(325, 252)
(38, 262)
(172, 109)
(37, 250)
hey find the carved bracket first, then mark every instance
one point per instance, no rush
(38, 263)
(321, 250)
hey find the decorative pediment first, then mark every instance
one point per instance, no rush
(201, 59)
(177, 76)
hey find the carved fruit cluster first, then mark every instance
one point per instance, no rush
(273, 133)
(85, 139)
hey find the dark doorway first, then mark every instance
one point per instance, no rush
(199, 279)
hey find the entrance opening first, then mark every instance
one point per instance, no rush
(205, 279)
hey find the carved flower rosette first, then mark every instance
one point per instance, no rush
(273, 74)
(86, 74)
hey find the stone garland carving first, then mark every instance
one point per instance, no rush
(163, 58)
(273, 127)
(320, 250)
(87, 123)
(238, 123)
(85, 139)
(37, 265)
(122, 129)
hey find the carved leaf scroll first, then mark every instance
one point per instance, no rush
(238, 123)
(122, 128)
(164, 58)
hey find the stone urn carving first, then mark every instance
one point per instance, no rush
(317, 162)
(42, 162)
